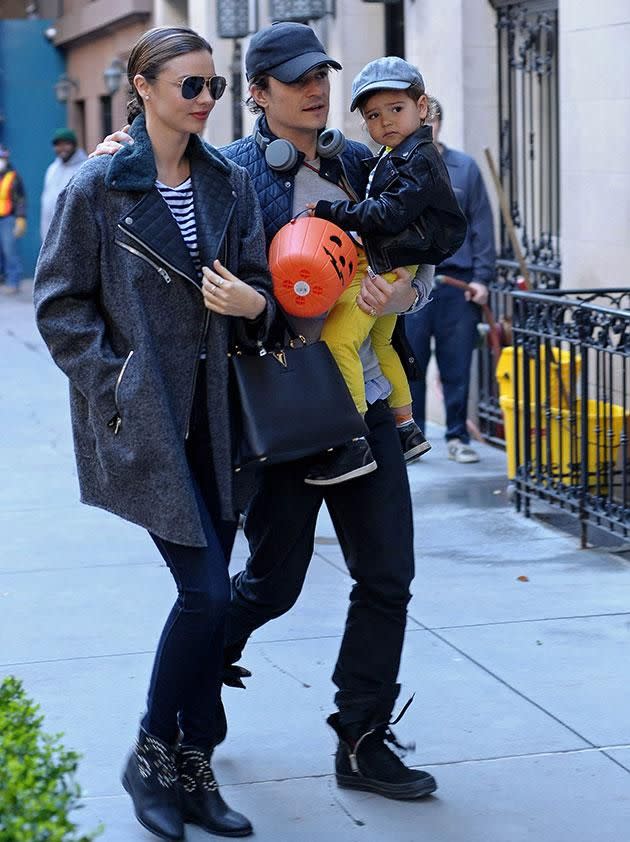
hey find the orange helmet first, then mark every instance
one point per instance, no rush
(312, 261)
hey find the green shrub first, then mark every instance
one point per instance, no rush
(37, 787)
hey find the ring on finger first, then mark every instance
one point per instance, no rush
(218, 282)
(372, 312)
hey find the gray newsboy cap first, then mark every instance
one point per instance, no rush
(388, 73)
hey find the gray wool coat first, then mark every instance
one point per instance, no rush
(119, 305)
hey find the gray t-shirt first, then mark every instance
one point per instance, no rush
(309, 187)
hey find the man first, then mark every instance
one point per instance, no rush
(287, 69)
(452, 316)
(67, 161)
(12, 223)
(288, 73)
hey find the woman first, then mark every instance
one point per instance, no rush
(141, 326)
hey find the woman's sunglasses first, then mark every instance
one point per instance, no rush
(192, 86)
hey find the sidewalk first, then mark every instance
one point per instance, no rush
(521, 687)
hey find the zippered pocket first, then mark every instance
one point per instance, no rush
(159, 269)
(119, 380)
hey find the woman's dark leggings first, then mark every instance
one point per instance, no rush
(186, 679)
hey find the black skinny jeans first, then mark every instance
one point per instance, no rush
(373, 520)
(186, 679)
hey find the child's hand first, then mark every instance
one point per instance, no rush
(310, 207)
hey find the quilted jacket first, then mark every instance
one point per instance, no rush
(275, 189)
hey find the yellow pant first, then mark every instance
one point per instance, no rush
(347, 327)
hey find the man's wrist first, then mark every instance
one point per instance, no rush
(414, 303)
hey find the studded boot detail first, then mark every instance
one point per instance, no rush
(150, 778)
(200, 798)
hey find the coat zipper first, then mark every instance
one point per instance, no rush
(121, 374)
(206, 322)
(158, 256)
(159, 269)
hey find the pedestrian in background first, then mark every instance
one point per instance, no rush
(12, 222)
(132, 313)
(452, 315)
(68, 160)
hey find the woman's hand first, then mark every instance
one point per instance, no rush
(379, 298)
(226, 294)
(112, 143)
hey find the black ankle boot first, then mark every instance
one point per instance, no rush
(150, 779)
(365, 761)
(200, 798)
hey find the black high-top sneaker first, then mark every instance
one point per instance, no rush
(150, 779)
(348, 461)
(200, 799)
(365, 761)
(412, 441)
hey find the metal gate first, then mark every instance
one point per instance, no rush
(529, 168)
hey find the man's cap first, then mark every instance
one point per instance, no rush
(285, 51)
(385, 74)
(4, 152)
(64, 135)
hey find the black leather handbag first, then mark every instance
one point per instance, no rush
(292, 402)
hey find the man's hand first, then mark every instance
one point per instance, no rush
(19, 229)
(380, 298)
(477, 293)
(112, 143)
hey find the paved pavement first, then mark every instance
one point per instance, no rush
(521, 707)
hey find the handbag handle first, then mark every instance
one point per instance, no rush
(281, 323)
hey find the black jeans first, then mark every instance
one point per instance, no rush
(186, 679)
(373, 521)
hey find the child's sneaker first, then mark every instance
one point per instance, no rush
(412, 441)
(350, 460)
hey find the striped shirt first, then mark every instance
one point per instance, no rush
(181, 204)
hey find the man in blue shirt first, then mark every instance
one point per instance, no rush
(451, 317)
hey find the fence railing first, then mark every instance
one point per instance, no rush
(566, 404)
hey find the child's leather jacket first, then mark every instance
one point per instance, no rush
(411, 214)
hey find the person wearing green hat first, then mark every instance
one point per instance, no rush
(68, 159)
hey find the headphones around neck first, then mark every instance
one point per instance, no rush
(282, 156)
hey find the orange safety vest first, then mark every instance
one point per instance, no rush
(6, 199)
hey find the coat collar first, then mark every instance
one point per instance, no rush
(133, 166)
(405, 149)
(150, 221)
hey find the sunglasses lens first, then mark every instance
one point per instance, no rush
(192, 86)
(217, 87)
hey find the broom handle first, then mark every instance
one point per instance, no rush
(507, 217)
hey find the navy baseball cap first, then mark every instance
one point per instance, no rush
(285, 51)
(385, 74)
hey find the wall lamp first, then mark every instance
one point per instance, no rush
(112, 75)
(64, 87)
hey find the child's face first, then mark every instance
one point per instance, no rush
(391, 116)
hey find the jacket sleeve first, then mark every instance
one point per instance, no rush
(479, 214)
(392, 211)
(66, 294)
(253, 267)
(19, 197)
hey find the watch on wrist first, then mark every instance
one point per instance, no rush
(413, 304)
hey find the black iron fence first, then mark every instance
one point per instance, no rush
(565, 396)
